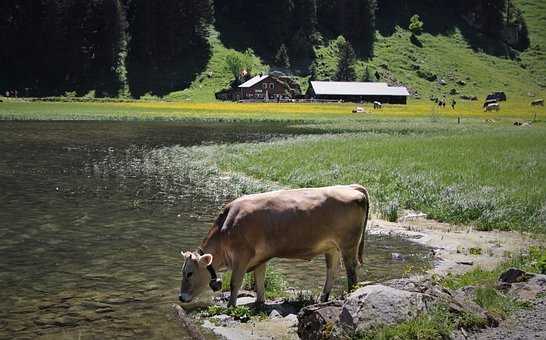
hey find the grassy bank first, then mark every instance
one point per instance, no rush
(152, 110)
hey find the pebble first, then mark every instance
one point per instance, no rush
(275, 314)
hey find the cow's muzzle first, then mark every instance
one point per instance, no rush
(184, 298)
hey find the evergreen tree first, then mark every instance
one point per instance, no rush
(367, 77)
(345, 66)
(354, 19)
(281, 58)
(168, 43)
(109, 43)
(416, 25)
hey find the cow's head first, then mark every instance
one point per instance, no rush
(197, 275)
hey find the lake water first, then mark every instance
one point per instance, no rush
(90, 252)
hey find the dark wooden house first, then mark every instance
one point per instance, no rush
(268, 87)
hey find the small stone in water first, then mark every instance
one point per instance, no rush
(104, 310)
(397, 257)
(274, 314)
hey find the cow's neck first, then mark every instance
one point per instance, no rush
(214, 248)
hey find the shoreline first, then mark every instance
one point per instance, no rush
(458, 249)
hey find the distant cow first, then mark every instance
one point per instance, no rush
(499, 96)
(492, 107)
(489, 101)
(295, 224)
(377, 105)
(358, 109)
(537, 102)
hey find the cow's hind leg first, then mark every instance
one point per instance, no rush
(350, 262)
(259, 280)
(332, 265)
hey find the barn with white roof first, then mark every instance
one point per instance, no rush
(357, 92)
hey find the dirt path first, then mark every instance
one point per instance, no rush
(526, 324)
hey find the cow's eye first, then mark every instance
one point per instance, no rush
(188, 275)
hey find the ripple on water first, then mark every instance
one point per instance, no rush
(94, 216)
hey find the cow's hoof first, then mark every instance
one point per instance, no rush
(324, 297)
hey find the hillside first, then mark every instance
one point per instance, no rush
(454, 54)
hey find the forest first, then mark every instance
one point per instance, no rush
(122, 48)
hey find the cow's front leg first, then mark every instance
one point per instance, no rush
(259, 279)
(332, 264)
(237, 276)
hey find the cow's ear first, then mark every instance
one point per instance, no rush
(186, 254)
(205, 260)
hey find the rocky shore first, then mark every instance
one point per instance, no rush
(456, 250)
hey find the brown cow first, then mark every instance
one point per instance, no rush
(295, 224)
(537, 102)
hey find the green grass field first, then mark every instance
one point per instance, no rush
(515, 109)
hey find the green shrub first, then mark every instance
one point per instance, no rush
(538, 259)
(437, 324)
(495, 302)
(241, 313)
(390, 212)
(416, 25)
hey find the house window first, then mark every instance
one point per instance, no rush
(271, 86)
(265, 86)
(258, 91)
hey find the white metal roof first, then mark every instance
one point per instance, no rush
(253, 81)
(353, 88)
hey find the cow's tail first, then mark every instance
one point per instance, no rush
(365, 203)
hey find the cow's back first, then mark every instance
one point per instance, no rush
(296, 223)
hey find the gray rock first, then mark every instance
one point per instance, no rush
(95, 305)
(428, 287)
(317, 321)
(463, 301)
(245, 300)
(528, 291)
(222, 319)
(380, 305)
(66, 321)
(275, 314)
(293, 318)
